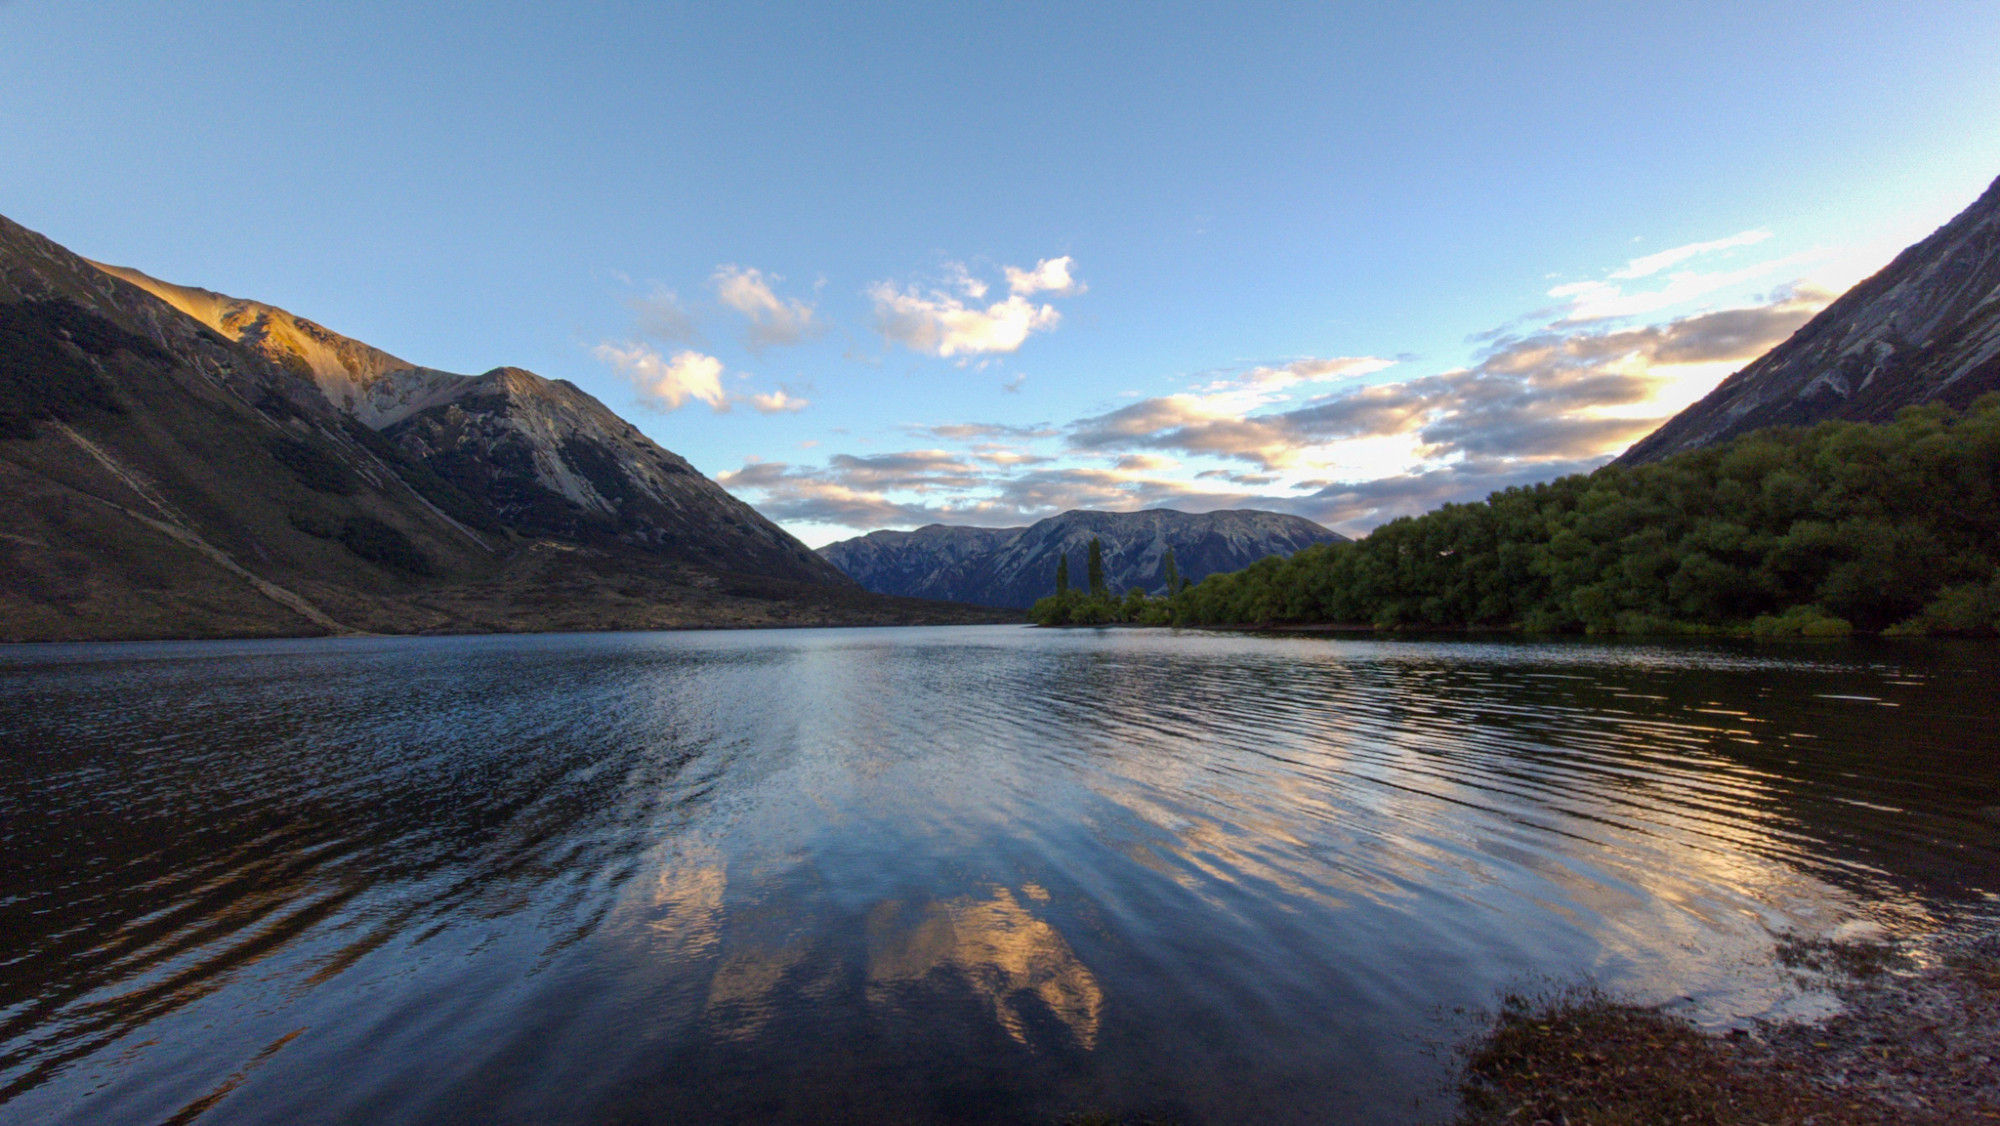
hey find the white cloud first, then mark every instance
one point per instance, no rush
(940, 322)
(958, 277)
(663, 383)
(1653, 263)
(941, 325)
(1315, 436)
(1050, 275)
(1602, 300)
(778, 402)
(773, 320)
(1608, 298)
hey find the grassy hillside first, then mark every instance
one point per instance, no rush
(1845, 526)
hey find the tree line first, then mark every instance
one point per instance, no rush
(1891, 527)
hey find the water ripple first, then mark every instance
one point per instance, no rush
(975, 874)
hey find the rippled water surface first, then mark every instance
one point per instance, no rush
(982, 874)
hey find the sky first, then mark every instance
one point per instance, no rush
(883, 265)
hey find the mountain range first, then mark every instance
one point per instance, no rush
(1013, 567)
(1926, 328)
(180, 463)
(176, 462)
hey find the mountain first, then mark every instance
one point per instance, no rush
(1924, 329)
(179, 463)
(1014, 566)
(935, 561)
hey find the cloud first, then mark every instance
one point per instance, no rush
(667, 384)
(1322, 437)
(1308, 370)
(1607, 298)
(959, 278)
(662, 317)
(962, 431)
(1548, 395)
(1050, 275)
(778, 402)
(774, 321)
(941, 325)
(1355, 507)
(1653, 263)
(995, 454)
(914, 487)
(939, 322)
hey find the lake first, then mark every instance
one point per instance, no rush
(975, 874)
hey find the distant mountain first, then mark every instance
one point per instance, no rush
(1014, 566)
(935, 561)
(179, 463)
(1924, 329)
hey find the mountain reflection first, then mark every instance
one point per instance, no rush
(970, 875)
(1013, 959)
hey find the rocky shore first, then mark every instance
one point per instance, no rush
(1916, 1042)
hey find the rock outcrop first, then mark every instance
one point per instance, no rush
(1925, 329)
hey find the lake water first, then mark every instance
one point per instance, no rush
(983, 874)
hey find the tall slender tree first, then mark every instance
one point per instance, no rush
(1096, 571)
(1062, 573)
(1171, 573)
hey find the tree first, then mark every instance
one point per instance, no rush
(1782, 533)
(1062, 574)
(1096, 568)
(1171, 572)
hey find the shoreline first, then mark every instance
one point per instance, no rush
(1916, 1041)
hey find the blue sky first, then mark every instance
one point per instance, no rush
(878, 265)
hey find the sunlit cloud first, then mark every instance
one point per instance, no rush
(667, 383)
(1549, 395)
(964, 431)
(1309, 370)
(774, 321)
(1653, 263)
(777, 402)
(1339, 439)
(939, 322)
(1050, 275)
(1611, 298)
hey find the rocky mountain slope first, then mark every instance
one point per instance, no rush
(1924, 329)
(934, 561)
(1014, 566)
(177, 463)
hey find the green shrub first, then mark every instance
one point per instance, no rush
(1799, 621)
(1967, 610)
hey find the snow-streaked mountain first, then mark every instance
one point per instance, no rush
(1924, 329)
(1015, 566)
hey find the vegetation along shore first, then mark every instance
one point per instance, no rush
(1845, 527)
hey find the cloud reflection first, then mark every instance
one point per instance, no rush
(1018, 962)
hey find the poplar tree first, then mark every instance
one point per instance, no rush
(1062, 573)
(1096, 571)
(1171, 572)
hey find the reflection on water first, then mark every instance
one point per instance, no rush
(996, 947)
(979, 874)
